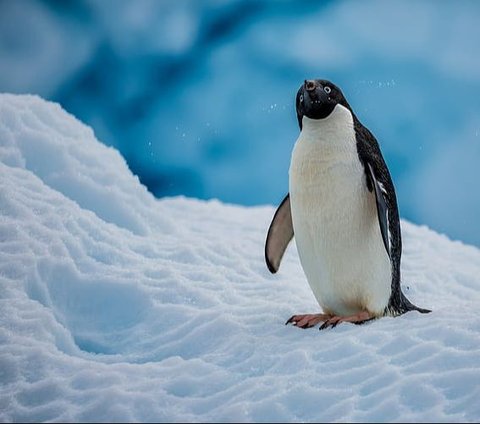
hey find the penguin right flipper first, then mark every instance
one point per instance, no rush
(382, 209)
(279, 235)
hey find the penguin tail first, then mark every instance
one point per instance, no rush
(400, 305)
(409, 306)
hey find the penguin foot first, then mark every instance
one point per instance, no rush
(359, 318)
(308, 320)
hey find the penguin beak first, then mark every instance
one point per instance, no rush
(309, 85)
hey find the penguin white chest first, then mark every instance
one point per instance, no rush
(335, 219)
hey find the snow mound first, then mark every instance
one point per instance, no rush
(66, 156)
(119, 307)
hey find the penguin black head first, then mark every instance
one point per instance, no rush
(316, 99)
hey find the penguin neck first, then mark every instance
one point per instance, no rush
(339, 123)
(331, 135)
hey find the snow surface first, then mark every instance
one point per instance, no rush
(119, 307)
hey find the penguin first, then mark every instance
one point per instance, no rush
(342, 210)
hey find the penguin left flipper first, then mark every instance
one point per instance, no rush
(279, 235)
(382, 209)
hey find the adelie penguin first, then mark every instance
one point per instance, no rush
(342, 209)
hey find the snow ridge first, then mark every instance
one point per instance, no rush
(115, 306)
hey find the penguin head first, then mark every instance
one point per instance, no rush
(316, 99)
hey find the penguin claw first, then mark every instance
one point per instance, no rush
(290, 320)
(324, 326)
(332, 322)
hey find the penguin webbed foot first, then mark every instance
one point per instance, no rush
(307, 320)
(311, 320)
(358, 319)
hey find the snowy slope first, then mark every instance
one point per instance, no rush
(119, 307)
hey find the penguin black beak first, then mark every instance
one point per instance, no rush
(313, 94)
(309, 85)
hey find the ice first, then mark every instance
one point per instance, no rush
(119, 307)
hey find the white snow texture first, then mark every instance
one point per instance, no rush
(116, 306)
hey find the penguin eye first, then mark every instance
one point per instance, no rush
(301, 98)
(327, 89)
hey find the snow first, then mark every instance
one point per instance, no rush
(116, 306)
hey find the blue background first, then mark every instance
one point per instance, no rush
(199, 95)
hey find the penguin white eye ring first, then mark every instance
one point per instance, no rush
(342, 209)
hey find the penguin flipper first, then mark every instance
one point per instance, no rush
(382, 209)
(279, 235)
